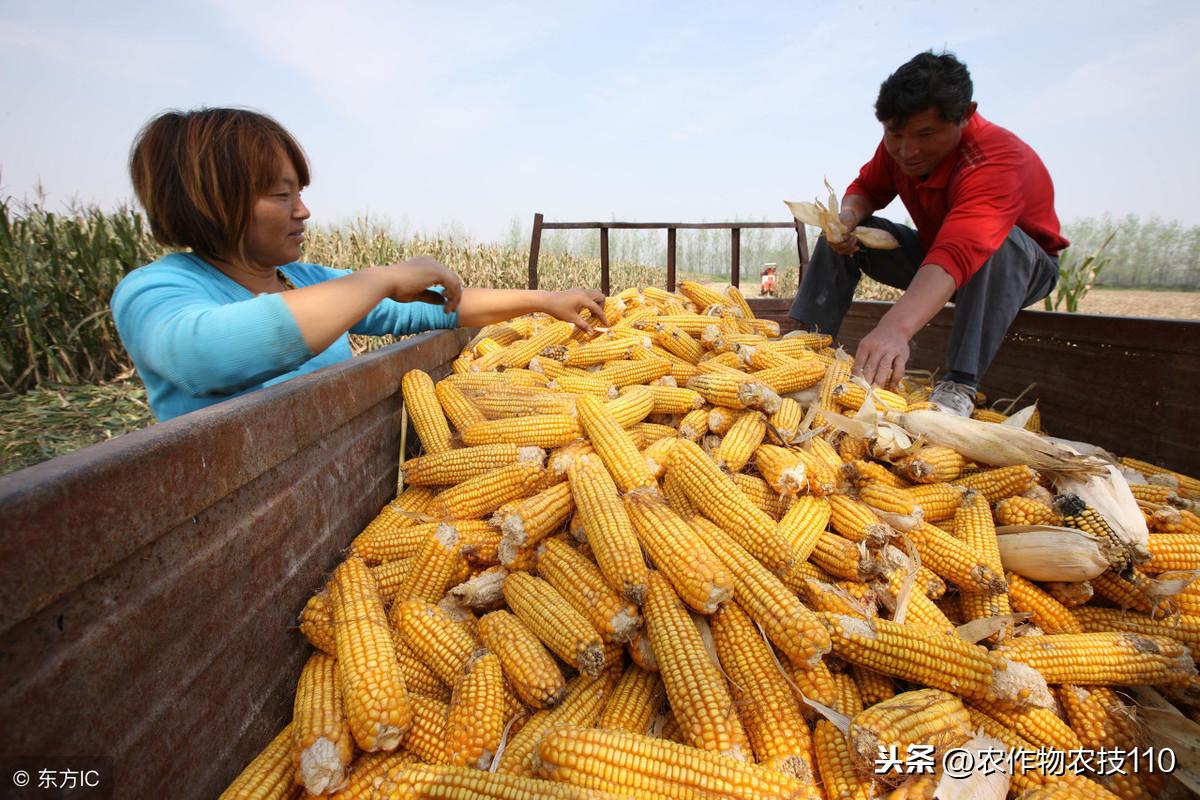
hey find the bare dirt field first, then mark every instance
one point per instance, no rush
(1141, 303)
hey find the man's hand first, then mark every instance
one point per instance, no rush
(882, 356)
(848, 246)
(409, 282)
(567, 305)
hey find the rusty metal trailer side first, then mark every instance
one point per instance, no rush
(149, 586)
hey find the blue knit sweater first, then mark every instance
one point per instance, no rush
(198, 337)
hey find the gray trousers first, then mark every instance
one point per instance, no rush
(1017, 274)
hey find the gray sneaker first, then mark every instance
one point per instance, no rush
(953, 398)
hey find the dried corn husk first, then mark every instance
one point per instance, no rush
(1109, 494)
(997, 445)
(981, 784)
(1050, 553)
(1165, 728)
(875, 238)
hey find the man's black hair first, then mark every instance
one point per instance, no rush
(928, 79)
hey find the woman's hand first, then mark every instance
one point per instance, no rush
(568, 304)
(409, 282)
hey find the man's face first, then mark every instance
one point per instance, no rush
(924, 139)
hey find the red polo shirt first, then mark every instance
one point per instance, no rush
(965, 208)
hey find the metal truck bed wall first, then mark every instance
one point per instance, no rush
(1129, 385)
(149, 586)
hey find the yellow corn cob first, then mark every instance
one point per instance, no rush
(1048, 614)
(519, 353)
(554, 621)
(897, 504)
(920, 610)
(438, 641)
(924, 716)
(823, 596)
(784, 469)
(674, 400)
(1040, 726)
(584, 383)
(932, 464)
(922, 656)
(530, 669)
(1188, 485)
(872, 686)
(794, 377)
(633, 702)
(270, 775)
(641, 651)
(633, 405)
(954, 560)
(695, 687)
(368, 768)
(658, 455)
(787, 623)
(803, 524)
(678, 342)
(645, 768)
(694, 425)
(647, 433)
(628, 373)
(527, 522)
(418, 678)
(537, 430)
(840, 775)
(427, 737)
(609, 531)
(1021, 510)
(740, 303)
(614, 446)
(443, 782)
(861, 472)
(740, 442)
(852, 396)
(483, 494)
(769, 711)
(785, 423)
(988, 415)
(997, 484)
(377, 704)
(1184, 628)
(759, 493)
(458, 408)
(316, 620)
(630, 319)
(490, 380)
(720, 420)
(857, 522)
(1165, 519)
(1078, 514)
(719, 499)
(601, 350)
(475, 718)
(579, 581)
(974, 527)
(701, 295)
(437, 565)
(519, 401)
(1098, 717)
(1136, 591)
(322, 746)
(1173, 551)
(839, 556)
(402, 512)
(921, 787)
(939, 501)
(420, 399)
(456, 466)
(701, 578)
(1022, 781)
(734, 389)
(582, 705)
(1104, 659)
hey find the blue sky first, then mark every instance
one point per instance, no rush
(472, 114)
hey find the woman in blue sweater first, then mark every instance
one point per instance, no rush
(238, 311)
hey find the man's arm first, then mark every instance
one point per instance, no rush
(883, 353)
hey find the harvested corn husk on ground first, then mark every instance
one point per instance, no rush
(825, 217)
(686, 557)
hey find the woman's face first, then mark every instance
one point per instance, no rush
(276, 229)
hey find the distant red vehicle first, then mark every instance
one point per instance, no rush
(767, 289)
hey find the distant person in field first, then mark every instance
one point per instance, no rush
(237, 310)
(987, 236)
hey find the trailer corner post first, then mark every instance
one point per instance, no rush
(604, 275)
(535, 246)
(671, 259)
(735, 257)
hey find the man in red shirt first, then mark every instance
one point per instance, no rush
(986, 233)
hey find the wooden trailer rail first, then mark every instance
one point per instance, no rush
(735, 243)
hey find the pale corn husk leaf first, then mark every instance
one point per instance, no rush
(839, 720)
(1168, 584)
(806, 212)
(1109, 494)
(1164, 727)
(1021, 418)
(996, 445)
(909, 582)
(977, 630)
(1051, 553)
(875, 238)
(977, 786)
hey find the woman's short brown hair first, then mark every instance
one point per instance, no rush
(198, 174)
